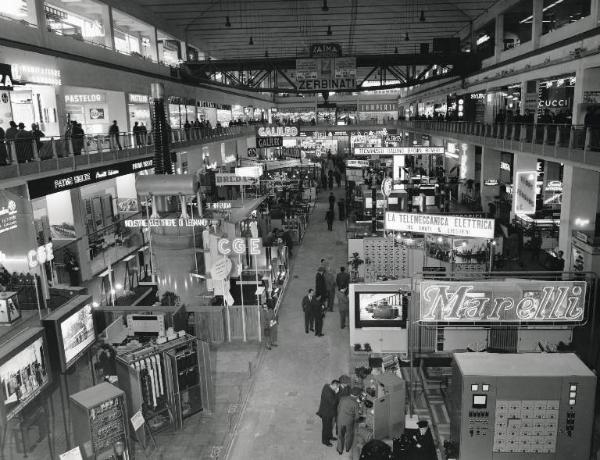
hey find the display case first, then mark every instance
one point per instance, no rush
(9, 307)
(100, 423)
(387, 393)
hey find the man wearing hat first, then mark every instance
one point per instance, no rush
(327, 410)
(347, 414)
(423, 447)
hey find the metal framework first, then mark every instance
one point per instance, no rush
(389, 70)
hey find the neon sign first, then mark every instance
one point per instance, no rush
(239, 246)
(40, 255)
(502, 301)
(276, 131)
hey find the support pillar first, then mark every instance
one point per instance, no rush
(536, 26)
(499, 37)
(581, 188)
(82, 245)
(467, 168)
(490, 169)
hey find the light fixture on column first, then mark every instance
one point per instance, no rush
(422, 18)
(227, 22)
(406, 37)
(324, 7)
(329, 32)
(251, 42)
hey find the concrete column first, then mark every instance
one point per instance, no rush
(82, 246)
(521, 162)
(107, 21)
(467, 167)
(536, 26)
(490, 169)
(595, 11)
(40, 15)
(581, 188)
(499, 37)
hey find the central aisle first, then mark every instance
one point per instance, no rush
(279, 421)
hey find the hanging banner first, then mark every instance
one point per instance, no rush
(326, 74)
(357, 163)
(266, 142)
(502, 301)
(398, 150)
(525, 192)
(439, 224)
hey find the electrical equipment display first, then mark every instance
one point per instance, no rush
(70, 331)
(384, 258)
(146, 325)
(518, 405)
(24, 370)
(100, 422)
(186, 373)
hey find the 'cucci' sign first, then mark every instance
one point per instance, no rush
(494, 302)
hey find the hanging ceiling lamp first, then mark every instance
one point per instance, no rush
(406, 37)
(227, 22)
(329, 32)
(422, 18)
(251, 42)
(324, 7)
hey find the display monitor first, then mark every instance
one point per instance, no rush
(77, 333)
(381, 309)
(24, 370)
(479, 401)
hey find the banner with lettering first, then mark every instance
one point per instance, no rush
(525, 192)
(439, 224)
(326, 74)
(502, 301)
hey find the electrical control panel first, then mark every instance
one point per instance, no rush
(521, 406)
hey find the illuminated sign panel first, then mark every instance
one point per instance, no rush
(275, 131)
(84, 98)
(440, 224)
(35, 74)
(40, 255)
(239, 246)
(8, 216)
(357, 163)
(502, 301)
(399, 150)
(167, 222)
(233, 179)
(525, 192)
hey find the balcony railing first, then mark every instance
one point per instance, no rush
(29, 156)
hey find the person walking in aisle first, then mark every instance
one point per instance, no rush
(321, 285)
(113, 136)
(318, 313)
(329, 217)
(270, 325)
(307, 308)
(331, 288)
(343, 306)
(331, 201)
(328, 411)
(330, 179)
(342, 280)
(347, 414)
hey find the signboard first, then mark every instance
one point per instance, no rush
(325, 50)
(35, 74)
(419, 150)
(326, 74)
(138, 98)
(5, 77)
(386, 186)
(137, 421)
(221, 269)
(167, 222)
(525, 192)
(233, 179)
(239, 246)
(220, 205)
(73, 454)
(439, 224)
(490, 182)
(8, 216)
(502, 301)
(276, 131)
(357, 163)
(394, 138)
(85, 98)
(42, 187)
(40, 255)
(251, 152)
(249, 171)
(266, 142)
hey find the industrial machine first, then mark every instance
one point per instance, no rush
(532, 406)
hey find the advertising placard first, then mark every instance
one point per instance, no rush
(277, 131)
(357, 163)
(440, 224)
(525, 192)
(8, 215)
(419, 150)
(266, 142)
(502, 301)
(326, 74)
(222, 179)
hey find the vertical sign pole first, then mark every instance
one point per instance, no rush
(242, 296)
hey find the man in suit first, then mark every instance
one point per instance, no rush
(330, 285)
(423, 447)
(328, 411)
(317, 310)
(321, 285)
(342, 280)
(348, 412)
(309, 320)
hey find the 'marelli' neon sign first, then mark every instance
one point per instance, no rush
(518, 301)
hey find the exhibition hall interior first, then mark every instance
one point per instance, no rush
(299, 229)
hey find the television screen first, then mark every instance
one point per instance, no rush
(480, 401)
(381, 309)
(23, 376)
(77, 332)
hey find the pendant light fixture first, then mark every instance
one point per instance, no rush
(406, 37)
(227, 22)
(324, 7)
(329, 32)
(251, 42)
(422, 18)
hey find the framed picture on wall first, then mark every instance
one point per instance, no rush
(96, 114)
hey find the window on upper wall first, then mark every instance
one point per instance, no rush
(560, 13)
(485, 40)
(19, 10)
(83, 20)
(134, 37)
(518, 24)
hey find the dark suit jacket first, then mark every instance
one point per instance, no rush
(328, 405)
(316, 307)
(342, 280)
(348, 411)
(321, 286)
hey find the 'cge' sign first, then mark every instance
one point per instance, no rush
(239, 246)
(502, 301)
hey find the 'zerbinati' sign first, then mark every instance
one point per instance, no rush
(502, 301)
